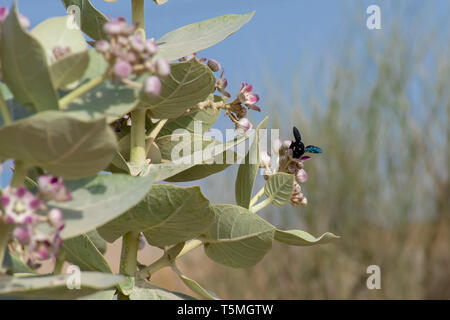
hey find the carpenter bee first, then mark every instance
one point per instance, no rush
(298, 147)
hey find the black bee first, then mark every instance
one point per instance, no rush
(298, 147)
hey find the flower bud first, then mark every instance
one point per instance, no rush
(304, 202)
(301, 176)
(243, 126)
(136, 42)
(55, 217)
(115, 26)
(151, 47)
(122, 69)
(102, 46)
(162, 67)
(23, 234)
(152, 86)
(214, 65)
(53, 188)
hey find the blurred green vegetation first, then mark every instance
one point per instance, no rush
(380, 108)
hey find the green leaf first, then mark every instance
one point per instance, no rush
(167, 215)
(248, 170)
(55, 287)
(146, 291)
(279, 188)
(16, 110)
(99, 200)
(110, 100)
(24, 66)
(82, 252)
(60, 143)
(189, 83)
(196, 287)
(69, 69)
(303, 238)
(92, 20)
(55, 32)
(206, 117)
(201, 35)
(97, 240)
(14, 264)
(238, 238)
(164, 171)
(189, 142)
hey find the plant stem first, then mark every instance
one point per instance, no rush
(128, 259)
(130, 241)
(166, 260)
(261, 205)
(4, 110)
(152, 136)
(20, 171)
(257, 197)
(67, 99)
(137, 151)
(59, 263)
(4, 237)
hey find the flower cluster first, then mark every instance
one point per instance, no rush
(128, 53)
(25, 211)
(285, 162)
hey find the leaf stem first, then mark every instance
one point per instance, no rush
(137, 144)
(152, 136)
(257, 197)
(261, 205)
(166, 260)
(59, 263)
(20, 172)
(67, 99)
(4, 110)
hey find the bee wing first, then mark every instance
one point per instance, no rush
(297, 135)
(313, 149)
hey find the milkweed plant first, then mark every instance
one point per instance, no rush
(96, 115)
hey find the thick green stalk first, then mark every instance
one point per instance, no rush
(130, 242)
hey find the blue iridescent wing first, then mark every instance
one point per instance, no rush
(297, 135)
(313, 149)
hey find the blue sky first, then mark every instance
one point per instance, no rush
(279, 38)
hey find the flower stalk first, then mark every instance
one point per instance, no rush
(67, 99)
(4, 110)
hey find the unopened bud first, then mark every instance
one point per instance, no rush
(214, 65)
(152, 86)
(162, 67)
(122, 69)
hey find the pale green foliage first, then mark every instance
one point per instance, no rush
(76, 140)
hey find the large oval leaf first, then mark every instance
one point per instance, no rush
(248, 170)
(167, 215)
(54, 32)
(303, 238)
(24, 66)
(201, 35)
(99, 200)
(60, 143)
(189, 83)
(55, 287)
(81, 251)
(238, 238)
(279, 188)
(189, 142)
